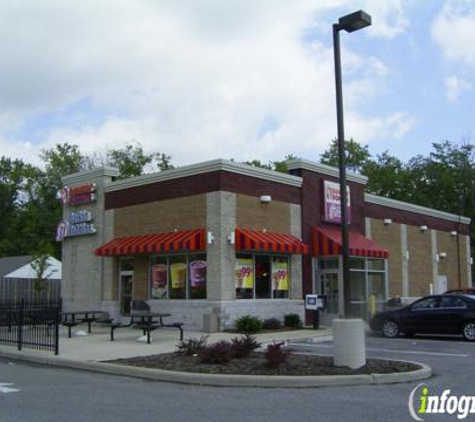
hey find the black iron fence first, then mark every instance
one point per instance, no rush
(33, 325)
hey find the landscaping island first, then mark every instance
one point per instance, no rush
(255, 364)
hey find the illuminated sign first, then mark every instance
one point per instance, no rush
(332, 203)
(77, 224)
(82, 194)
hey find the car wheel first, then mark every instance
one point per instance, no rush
(469, 331)
(390, 329)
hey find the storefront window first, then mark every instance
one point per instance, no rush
(160, 278)
(376, 285)
(376, 264)
(197, 268)
(244, 277)
(357, 263)
(179, 277)
(262, 276)
(331, 263)
(280, 277)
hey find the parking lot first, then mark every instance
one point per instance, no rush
(78, 396)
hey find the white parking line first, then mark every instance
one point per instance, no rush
(4, 388)
(412, 352)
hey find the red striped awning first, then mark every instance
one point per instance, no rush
(260, 241)
(177, 241)
(328, 242)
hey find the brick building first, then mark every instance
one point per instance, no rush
(230, 239)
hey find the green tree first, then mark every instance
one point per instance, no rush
(357, 156)
(132, 160)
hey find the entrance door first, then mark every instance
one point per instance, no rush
(329, 288)
(126, 282)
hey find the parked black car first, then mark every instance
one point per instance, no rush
(436, 314)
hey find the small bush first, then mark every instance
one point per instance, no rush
(248, 324)
(275, 355)
(292, 320)
(219, 352)
(191, 346)
(271, 324)
(243, 346)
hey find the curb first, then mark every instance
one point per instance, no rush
(225, 380)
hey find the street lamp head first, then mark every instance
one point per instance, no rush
(354, 21)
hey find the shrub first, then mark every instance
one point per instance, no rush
(191, 346)
(271, 324)
(219, 352)
(292, 320)
(243, 346)
(275, 355)
(248, 324)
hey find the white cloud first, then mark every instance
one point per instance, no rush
(454, 85)
(196, 80)
(453, 30)
(389, 18)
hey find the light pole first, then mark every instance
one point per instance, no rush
(349, 23)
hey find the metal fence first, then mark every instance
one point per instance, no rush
(33, 325)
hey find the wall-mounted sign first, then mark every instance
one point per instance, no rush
(77, 224)
(82, 216)
(332, 202)
(82, 194)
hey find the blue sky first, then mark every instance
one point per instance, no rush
(237, 79)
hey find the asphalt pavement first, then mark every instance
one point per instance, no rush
(58, 394)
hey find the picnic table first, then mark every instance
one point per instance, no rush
(147, 321)
(72, 318)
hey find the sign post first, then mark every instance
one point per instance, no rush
(314, 303)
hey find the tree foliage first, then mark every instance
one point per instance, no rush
(29, 206)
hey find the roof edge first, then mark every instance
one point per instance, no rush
(299, 163)
(405, 206)
(202, 168)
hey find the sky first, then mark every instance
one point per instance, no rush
(241, 79)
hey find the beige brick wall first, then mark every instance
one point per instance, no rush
(251, 214)
(450, 265)
(140, 277)
(420, 262)
(161, 216)
(389, 236)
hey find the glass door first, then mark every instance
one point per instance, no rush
(329, 288)
(126, 283)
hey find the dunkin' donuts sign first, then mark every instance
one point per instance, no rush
(332, 202)
(82, 194)
(78, 222)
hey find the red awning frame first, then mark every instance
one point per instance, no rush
(327, 242)
(177, 241)
(264, 241)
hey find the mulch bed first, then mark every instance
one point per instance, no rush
(254, 364)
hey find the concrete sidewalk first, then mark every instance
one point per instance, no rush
(97, 347)
(88, 352)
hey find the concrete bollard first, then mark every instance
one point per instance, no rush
(349, 343)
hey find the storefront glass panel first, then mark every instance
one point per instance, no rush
(160, 278)
(197, 269)
(280, 277)
(182, 276)
(244, 277)
(178, 266)
(262, 276)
